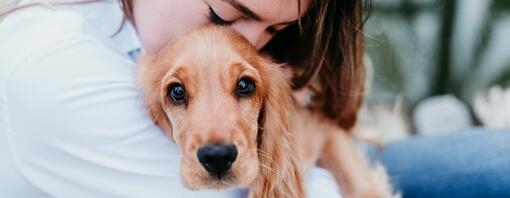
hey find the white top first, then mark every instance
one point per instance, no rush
(72, 122)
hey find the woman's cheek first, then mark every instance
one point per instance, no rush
(159, 22)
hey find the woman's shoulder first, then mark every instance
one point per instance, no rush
(53, 62)
(69, 102)
(39, 40)
(39, 33)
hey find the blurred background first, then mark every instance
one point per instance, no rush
(436, 66)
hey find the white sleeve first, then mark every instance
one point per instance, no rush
(78, 128)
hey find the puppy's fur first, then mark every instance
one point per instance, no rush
(275, 138)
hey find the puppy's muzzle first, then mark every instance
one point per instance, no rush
(217, 158)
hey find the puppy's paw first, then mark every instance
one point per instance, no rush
(382, 183)
(376, 186)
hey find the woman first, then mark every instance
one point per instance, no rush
(72, 120)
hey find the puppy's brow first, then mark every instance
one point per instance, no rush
(236, 69)
(239, 68)
(180, 74)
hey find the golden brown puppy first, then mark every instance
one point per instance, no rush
(232, 115)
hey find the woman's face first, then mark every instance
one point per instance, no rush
(159, 21)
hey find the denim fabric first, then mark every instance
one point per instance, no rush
(472, 163)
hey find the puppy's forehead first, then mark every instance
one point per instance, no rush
(204, 51)
(212, 49)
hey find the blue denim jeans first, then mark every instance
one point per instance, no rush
(472, 163)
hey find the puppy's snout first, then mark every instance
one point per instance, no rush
(218, 158)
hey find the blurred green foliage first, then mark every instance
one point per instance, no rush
(423, 48)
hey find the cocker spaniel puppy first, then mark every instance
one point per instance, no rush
(231, 113)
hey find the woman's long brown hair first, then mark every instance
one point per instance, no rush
(326, 51)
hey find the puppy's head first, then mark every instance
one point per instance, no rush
(224, 106)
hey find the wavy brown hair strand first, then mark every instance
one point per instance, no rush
(327, 56)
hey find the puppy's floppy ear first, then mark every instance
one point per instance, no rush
(280, 171)
(150, 76)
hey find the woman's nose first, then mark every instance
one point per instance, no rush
(254, 32)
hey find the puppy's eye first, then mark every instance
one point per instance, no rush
(177, 94)
(245, 87)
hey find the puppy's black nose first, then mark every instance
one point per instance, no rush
(217, 158)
